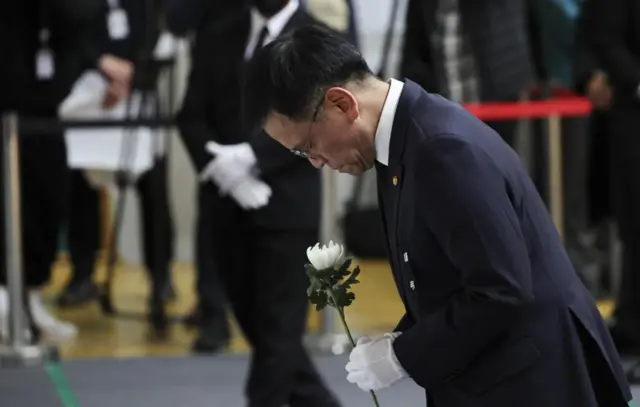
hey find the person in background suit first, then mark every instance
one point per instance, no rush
(253, 232)
(591, 81)
(185, 17)
(135, 44)
(45, 46)
(469, 51)
(495, 314)
(612, 32)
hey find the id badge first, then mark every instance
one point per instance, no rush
(45, 65)
(118, 24)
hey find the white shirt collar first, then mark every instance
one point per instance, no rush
(385, 125)
(275, 24)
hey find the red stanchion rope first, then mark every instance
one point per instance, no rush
(564, 107)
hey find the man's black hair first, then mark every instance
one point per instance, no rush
(291, 74)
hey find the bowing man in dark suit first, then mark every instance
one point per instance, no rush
(253, 231)
(495, 314)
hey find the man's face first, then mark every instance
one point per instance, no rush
(335, 135)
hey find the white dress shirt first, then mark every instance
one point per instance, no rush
(385, 125)
(275, 25)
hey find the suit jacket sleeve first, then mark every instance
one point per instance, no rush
(416, 63)
(197, 104)
(471, 214)
(608, 24)
(405, 323)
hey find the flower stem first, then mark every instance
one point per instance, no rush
(353, 343)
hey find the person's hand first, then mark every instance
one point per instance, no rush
(114, 94)
(251, 193)
(599, 91)
(230, 165)
(373, 364)
(241, 153)
(116, 69)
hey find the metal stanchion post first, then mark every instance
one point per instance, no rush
(555, 173)
(327, 339)
(16, 351)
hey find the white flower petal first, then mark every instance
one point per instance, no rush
(326, 256)
(313, 254)
(324, 261)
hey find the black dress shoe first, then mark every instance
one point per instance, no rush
(193, 319)
(210, 341)
(78, 293)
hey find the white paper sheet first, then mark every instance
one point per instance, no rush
(109, 149)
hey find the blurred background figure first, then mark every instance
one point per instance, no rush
(556, 45)
(616, 43)
(469, 51)
(252, 232)
(47, 45)
(135, 38)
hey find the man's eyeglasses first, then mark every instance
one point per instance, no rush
(304, 152)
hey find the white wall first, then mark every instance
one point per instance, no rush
(373, 18)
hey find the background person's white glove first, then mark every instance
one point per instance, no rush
(231, 164)
(251, 193)
(373, 364)
(231, 170)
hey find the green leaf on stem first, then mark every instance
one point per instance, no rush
(319, 299)
(342, 297)
(352, 279)
(340, 273)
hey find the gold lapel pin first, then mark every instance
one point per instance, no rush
(395, 180)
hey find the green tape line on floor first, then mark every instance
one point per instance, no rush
(60, 382)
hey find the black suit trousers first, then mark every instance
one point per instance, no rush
(44, 186)
(263, 272)
(157, 225)
(625, 184)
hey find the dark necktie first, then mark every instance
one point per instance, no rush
(263, 35)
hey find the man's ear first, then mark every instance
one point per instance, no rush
(343, 100)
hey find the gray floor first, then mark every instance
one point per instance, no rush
(175, 382)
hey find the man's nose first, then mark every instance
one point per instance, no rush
(317, 162)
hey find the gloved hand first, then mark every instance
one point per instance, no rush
(251, 193)
(373, 364)
(231, 164)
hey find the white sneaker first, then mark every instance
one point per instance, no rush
(52, 328)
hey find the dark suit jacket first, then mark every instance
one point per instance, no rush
(496, 315)
(614, 31)
(496, 30)
(211, 111)
(71, 23)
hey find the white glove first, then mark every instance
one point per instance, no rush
(242, 153)
(373, 364)
(231, 164)
(251, 193)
